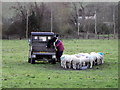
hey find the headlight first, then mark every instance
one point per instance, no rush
(33, 56)
(29, 41)
(31, 48)
(53, 56)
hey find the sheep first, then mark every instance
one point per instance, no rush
(99, 58)
(79, 55)
(86, 55)
(76, 63)
(70, 60)
(89, 59)
(77, 60)
(66, 60)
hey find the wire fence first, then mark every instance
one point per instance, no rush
(91, 36)
(73, 36)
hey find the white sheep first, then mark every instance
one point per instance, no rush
(99, 58)
(76, 63)
(87, 58)
(66, 60)
(79, 55)
(77, 60)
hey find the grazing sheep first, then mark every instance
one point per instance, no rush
(92, 60)
(76, 61)
(66, 60)
(79, 55)
(89, 60)
(99, 58)
(86, 56)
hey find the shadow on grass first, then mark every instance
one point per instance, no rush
(106, 65)
(49, 66)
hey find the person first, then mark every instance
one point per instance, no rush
(51, 42)
(58, 44)
(59, 49)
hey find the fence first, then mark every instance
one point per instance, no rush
(91, 36)
(71, 36)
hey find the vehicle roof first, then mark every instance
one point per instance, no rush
(42, 33)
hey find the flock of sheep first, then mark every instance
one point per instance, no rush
(77, 61)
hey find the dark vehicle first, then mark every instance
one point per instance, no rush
(38, 47)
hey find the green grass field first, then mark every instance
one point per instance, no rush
(18, 73)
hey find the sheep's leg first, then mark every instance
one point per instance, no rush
(80, 65)
(69, 65)
(99, 61)
(65, 65)
(91, 63)
(83, 63)
(74, 66)
(102, 61)
(62, 64)
(77, 66)
(88, 64)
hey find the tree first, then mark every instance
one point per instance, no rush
(35, 16)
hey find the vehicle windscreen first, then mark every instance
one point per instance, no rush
(41, 38)
(39, 44)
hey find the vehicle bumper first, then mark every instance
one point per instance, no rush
(44, 53)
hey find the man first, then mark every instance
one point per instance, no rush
(59, 49)
(58, 44)
(51, 42)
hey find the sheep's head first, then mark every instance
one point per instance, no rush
(62, 58)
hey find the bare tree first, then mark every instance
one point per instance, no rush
(32, 17)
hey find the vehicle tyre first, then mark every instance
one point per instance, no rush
(32, 61)
(53, 61)
(50, 61)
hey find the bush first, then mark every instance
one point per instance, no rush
(103, 28)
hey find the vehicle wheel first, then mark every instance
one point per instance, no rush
(32, 61)
(29, 60)
(53, 61)
(50, 61)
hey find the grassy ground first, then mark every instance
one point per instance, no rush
(17, 73)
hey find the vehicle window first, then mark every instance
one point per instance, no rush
(42, 38)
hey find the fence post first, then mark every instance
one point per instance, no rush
(98, 35)
(83, 35)
(108, 35)
(88, 36)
